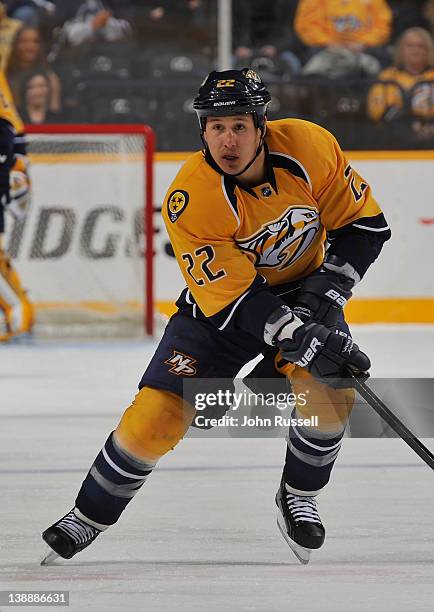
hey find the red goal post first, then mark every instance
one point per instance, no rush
(108, 143)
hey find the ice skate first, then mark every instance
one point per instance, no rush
(67, 537)
(299, 523)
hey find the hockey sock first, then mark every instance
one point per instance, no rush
(310, 456)
(111, 483)
(154, 423)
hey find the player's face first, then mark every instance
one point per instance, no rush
(232, 141)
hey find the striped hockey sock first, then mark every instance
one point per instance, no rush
(112, 481)
(310, 456)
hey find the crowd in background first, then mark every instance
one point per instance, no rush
(341, 63)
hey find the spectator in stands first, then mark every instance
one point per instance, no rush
(31, 12)
(27, 54)
(35, 96)
(345, 38)
(409, 84)
(96, 21)
(8, 29)
(263, 28)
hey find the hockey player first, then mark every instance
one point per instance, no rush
(14, 198)
(248, 219)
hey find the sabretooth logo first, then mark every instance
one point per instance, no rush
(181, 364)
(310, 353)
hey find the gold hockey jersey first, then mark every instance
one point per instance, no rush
(337, 22)
(225, 234)
(391, 97)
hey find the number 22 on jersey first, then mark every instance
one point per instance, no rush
(202, 258)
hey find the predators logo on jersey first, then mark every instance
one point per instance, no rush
(282, 241)
(181, 364)
(176, 204)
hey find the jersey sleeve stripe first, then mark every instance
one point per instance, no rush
(377, 224)
(371, 229)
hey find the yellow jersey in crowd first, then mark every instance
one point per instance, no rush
(337, 22)
(410, 87)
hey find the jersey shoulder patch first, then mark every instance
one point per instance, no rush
(176, 204)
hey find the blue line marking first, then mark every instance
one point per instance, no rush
(215, 468)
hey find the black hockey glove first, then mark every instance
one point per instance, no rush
(325, 354)
(324, 293)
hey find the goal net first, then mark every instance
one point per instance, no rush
(84, 251)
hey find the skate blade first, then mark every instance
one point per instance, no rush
(302, 553)
(49, 557)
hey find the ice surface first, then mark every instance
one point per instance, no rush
(201, 535)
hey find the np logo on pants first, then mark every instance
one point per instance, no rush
(181, 364)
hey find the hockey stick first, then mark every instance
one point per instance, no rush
(396, 424)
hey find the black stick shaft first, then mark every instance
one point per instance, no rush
(396, 424)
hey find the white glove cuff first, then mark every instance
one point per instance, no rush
(289, 329)
(280, 325)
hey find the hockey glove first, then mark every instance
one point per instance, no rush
(327, 355)
(323, 296)
(324, 293)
